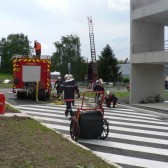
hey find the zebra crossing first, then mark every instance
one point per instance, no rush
(136, 139)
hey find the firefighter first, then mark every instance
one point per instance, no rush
(58, 86)
(111, 99)
(98, 87)
(69, 86)
(37, 47)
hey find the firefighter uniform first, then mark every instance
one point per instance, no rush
(37, 47)
(69, 86)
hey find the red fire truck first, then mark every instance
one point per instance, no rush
(31, 77)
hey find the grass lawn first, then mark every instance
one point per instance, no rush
(5, 76)
(27, 144)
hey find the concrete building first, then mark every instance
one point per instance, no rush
(148, 54)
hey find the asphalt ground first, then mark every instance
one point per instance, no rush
(157, 107)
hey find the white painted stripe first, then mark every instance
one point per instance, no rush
(134, 116)
(139, 139)
(133, 113)
(43, 114)
(44, 108)
(137, 120)
(120, 136)
(123, 109)
(126, 146)
(52, 119)
(132, 160)
(56, 126)
(118, 128)
(123, 136)
(145, 111)
(61, 112)
(60, 108)
(129, 147)
(50, 115)
(56, 110)
(159, 133)
(140, 125)
(40, 109)
(111, 111)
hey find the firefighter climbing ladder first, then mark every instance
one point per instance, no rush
(92, 50)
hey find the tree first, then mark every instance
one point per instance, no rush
(68, 51)
(14, 44)
(108, 67)
(123, 61)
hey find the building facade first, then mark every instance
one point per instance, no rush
(148, 52)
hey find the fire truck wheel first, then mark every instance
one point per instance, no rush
(21, 95)
(42, 94)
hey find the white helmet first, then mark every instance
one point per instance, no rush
(68, 76)
(71, 76)
(65, 77)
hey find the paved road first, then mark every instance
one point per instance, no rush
(11, 98)
(136, 139)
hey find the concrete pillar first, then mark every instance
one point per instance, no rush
(146, 80)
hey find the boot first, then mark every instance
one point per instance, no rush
(71, 113)
(66, 113)
(108, 105)
(114, 104)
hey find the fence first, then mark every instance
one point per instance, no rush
(150, 47)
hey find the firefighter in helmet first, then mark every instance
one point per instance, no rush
(69, 86)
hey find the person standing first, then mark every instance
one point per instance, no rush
(98, 87)
(58, 86)
(69, 86)
(37, 47)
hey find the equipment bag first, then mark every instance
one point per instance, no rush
(91, 124)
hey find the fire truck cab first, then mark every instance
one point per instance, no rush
(31, 77)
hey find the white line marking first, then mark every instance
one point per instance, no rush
(140, 125)
(131, 147)
(139, 139)
(132, 160)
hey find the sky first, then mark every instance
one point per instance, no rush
(48, 20)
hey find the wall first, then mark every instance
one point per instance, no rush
(146, 80)
(147, 37)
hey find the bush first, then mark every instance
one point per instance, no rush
(125, 80)
(150, 99)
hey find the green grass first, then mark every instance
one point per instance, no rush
(121, 94)
(3, 77)
(26, 143)
(9, 108)
(6, 76)
(5, 86)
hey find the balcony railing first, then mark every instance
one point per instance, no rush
(141, 3)
(150, 47)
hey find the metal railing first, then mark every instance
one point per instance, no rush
(150, 47)
(141, 3)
